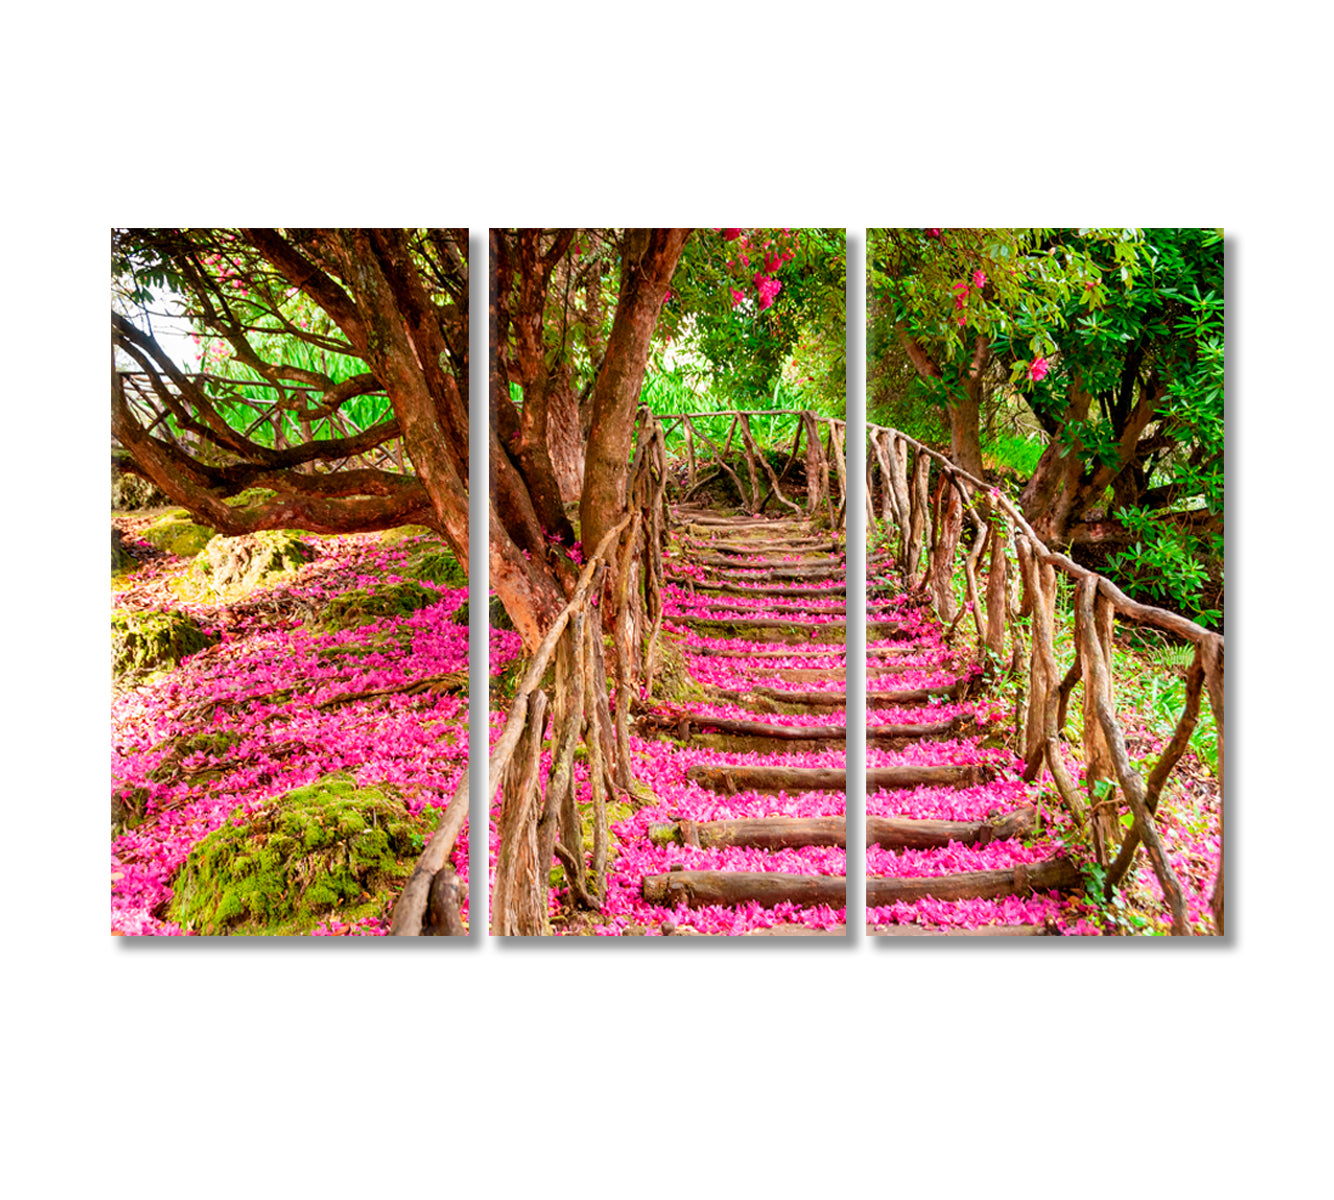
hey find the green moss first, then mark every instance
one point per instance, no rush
(148, 644)
(174, 533)
(330, 849)
(251, 496)
(437, 566)
(673, 681)
(403, 533)
(362, 606)
(121, 558)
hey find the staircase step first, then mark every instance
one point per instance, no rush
(752, 777)
(1053, 874)
(728, 888)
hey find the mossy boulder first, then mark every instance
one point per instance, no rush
(130, 491)
(330, 849)
(233, 566)
(438, 566)
(363, 605)
(174, 533)
(148, 644)
(121, 558)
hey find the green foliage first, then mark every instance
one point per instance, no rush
(1167, 564)
(727, 328)
(330, 849)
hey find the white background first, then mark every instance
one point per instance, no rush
(164, 1067)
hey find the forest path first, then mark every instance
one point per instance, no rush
(751, 749)
(971, 852)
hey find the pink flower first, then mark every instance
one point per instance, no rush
(731, 235)
(979, 279)
(767, 288)
(737, 297)
(934, 233)
(1038, 369)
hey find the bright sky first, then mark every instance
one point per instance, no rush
(172, 332)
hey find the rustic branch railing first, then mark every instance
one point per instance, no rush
(818, 457)
(290, 403)
(924, 498)
(540, 817)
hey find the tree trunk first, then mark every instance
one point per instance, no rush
(649, 258)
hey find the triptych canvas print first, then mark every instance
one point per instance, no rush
(954, 594)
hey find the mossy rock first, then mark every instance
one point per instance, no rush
(330, 849)
(147, 644)
(130, 491)
(233, 566)
(436, 566)
(121, 558)
(174, 533)
(362, 606)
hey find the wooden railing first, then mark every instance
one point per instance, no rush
(925, 499)
(540, 817)
(819, 457)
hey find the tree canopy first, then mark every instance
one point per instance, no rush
(1111, 340)
(340, 344)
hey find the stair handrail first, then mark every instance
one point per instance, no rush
(928, 525)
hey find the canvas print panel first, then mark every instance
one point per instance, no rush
(1045, 600)
(289, 582)
(667, 555)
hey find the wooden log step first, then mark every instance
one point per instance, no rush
(736, 589)
(787, 610)
(895, 833)
(746, 522)
(793, 652)
(885, 629)
(832, 632)
(1055, 874)
(884, 670)
(879, 699)
(772, 931)
(767, 833)
(803, 545)
(903, 833)
(766, 888)
(840, 699)
(945, 931)
(753, 777)
(683, 725)
(728, 568)
(808, 674)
